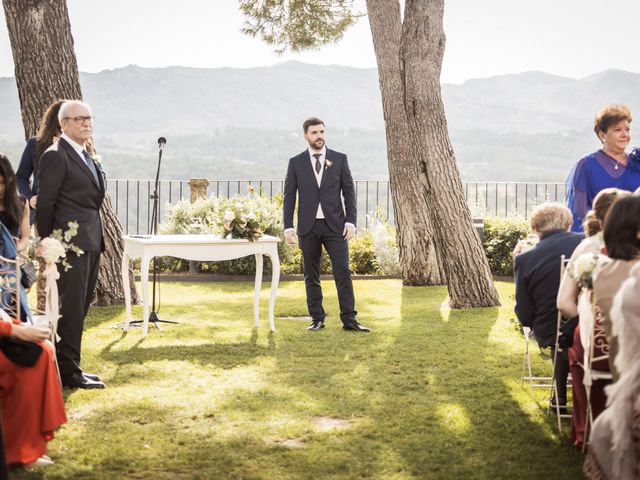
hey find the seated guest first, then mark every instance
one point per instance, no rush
(31, 398)
(568, 306)
(14, 210)
(614, 445)
(537, 278)
(623, 252)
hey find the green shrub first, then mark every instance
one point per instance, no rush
(362, 256)
(500, 238)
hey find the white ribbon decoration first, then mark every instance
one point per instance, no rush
(51, 306)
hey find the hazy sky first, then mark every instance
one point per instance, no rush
(566, 37)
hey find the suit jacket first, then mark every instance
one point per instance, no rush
(28, 167)
(336, 182)
(69, 192)
(537, 279)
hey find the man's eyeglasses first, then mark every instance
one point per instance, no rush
(79, 120)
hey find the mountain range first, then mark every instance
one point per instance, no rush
(246, 123)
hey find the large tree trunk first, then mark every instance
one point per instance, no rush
(45, 63)
(418, 260)
(46, 69)
(457, 243)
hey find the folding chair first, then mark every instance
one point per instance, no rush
(10, 297)
(554, 384)
(9, 286)
(597, 339)
(534, 381)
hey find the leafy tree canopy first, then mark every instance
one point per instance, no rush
(298, 25)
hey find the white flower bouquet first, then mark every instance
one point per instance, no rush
(583, 269)
(50, 250)
(55, 247)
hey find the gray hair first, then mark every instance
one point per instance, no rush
(67, 104)
(551, 216)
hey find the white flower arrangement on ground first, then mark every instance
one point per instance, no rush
(55, 247)
(583, 269)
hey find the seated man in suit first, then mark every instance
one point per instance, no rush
(537, 279)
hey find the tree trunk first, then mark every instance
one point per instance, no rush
(459, 248)
(109, 289)
(46, 69)
(45, 62)
(418, 260)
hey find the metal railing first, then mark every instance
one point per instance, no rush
(131, 199)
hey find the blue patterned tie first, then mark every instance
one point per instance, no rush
(92, 167)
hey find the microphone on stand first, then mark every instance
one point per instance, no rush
(162, 142)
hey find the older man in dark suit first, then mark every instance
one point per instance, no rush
(321, 178)
(71, 190)
(537, 279)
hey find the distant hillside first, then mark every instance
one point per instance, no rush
(230, 123)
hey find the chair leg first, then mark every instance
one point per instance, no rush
(529, 369)
(588, 418)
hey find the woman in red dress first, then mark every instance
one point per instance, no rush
(31, 398)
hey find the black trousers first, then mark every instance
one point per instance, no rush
(338, 249)
(75, 287)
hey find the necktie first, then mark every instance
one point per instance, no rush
(92, 167)
(318, 166)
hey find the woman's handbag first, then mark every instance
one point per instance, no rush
(20, 352)
(28, 275)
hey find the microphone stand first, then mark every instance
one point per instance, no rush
(153, 230)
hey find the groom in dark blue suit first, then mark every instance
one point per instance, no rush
(321, 178)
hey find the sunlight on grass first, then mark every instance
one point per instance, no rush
(453, 418)
(432, 393)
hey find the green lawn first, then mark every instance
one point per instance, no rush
(432, 393)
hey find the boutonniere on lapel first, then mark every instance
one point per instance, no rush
(327, 164)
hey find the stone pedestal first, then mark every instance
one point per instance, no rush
(199, 188)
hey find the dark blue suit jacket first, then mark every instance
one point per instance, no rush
(537, 279)
(28, 168)
(336, 183)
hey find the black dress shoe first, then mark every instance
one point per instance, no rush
(91, 376)
(78, 380)
(315, 325)
(354, 326)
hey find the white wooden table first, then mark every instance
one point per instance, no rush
(199, 248)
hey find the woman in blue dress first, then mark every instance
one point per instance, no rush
(608, 167)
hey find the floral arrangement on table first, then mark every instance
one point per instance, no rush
(243, 217)
(583, 269)
(249, 216)
(55, 247)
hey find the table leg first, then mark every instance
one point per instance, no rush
(275, 279)
(256, 289)
(127, 290)
(144, 282)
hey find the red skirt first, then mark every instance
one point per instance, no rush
(32, 407)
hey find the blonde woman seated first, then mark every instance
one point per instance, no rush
(31, 397)
(614, 445)
(568, 305)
